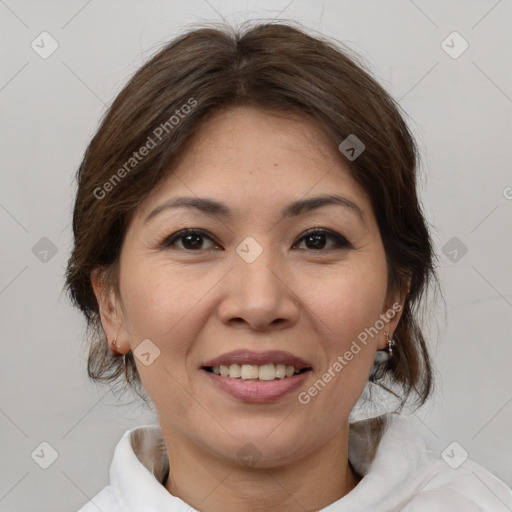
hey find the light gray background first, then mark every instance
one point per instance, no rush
(460, 111)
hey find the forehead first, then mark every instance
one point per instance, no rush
(242, 133)
(252, 158)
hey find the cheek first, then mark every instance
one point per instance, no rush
(161, 305)
(169, 307)
(343, 309)
(348, 302)
(156, 299)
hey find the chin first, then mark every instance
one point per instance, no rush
(263, 450)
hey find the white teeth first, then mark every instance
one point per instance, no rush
(252, 371)
(248, 371)
(234, 370)
(281, 371)
(267, 372)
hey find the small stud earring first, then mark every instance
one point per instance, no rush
(391, 344)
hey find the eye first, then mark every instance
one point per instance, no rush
(316, 237)
(192, 239)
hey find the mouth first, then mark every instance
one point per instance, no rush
(266, 372)
(257, 377)
(262, 366)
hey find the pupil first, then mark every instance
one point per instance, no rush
(317, 238)
(193, 245)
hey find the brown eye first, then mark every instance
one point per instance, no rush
(191, 240)
(315, 240)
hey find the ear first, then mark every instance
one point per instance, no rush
(112, 318)
(392, 313)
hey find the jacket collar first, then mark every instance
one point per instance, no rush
(384, 450)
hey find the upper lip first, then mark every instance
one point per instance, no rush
(258, 358)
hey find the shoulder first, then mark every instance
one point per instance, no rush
(469, 487)
(445, 500)
(104, 501)
(405, 474)
(462, 493)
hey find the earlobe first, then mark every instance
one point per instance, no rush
(118, 348)
(392, 314)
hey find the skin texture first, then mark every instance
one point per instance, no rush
(196, 304)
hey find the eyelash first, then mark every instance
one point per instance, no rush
(341, 242)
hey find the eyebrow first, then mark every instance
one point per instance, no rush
(216, 209)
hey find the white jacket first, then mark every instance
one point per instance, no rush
(401, 476)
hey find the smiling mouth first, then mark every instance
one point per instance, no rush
(266, 372)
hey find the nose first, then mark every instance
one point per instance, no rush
(259, 295)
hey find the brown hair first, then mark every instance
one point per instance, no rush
(273, 66)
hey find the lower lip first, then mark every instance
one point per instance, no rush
(258, 391)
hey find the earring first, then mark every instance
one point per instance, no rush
(114, 344)
(391, 344)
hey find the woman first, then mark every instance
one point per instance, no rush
(250, 253)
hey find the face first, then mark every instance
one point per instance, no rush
(258, 276)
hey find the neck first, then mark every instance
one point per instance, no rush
(213, 484)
